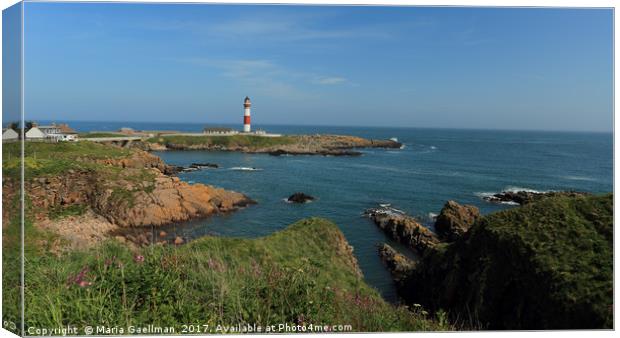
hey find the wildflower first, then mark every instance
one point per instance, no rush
(301, 319)
(84, 283)
(138, 258)
(78, 279)
(256, 270)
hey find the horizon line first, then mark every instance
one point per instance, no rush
(342, 125)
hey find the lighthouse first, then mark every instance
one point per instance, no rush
(246, 115)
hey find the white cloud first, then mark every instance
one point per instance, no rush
(266, 76)
(330, 80)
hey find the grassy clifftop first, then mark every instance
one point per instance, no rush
(232, 141)
(305, 274)
(42, 158)
(546, 265)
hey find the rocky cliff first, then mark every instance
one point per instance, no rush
(454, 220)
(546, 265)
(129, 189)
(404, 229)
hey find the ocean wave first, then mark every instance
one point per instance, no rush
(245, 169)
(511, 188)
(433, 147)
(432, 215)
(291, 202)
(579, 178)
(483, 194)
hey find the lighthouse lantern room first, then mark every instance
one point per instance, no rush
(246, 115)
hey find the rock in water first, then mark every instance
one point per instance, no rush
(523, 197)
(204, 165)
(403, 228)
(300, 197)
(399, 265)
(454, 220)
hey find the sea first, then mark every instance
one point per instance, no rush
(434, 166)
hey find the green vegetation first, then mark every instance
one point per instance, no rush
(546, 265)
(296, 276)
(94, 135)
(37, 243)
(250, 141)
(43, 158)
(58, 212)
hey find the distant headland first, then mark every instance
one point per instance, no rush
(212, 138)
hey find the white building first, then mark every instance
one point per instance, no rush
(35, 134)
(219, 131)
(56, 132)
(51, 132)
(9, 135)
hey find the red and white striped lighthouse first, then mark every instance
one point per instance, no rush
(246, 115)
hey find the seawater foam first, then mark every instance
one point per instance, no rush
(517, 189)
(245, 169)
(579, 178)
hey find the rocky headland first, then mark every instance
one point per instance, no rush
(545, 265)
(326, 145)
(522, 197)
(97, 191)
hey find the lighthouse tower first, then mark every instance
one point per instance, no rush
(246, 115)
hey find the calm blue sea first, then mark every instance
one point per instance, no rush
(436, 165)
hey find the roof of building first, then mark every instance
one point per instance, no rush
(65, 129)
(9, 133)
(35, 132)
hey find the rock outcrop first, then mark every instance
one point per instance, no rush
(454, 220)
(545, 265)
(168, 200)
(140, 159)
(300, 197)
(522, 197)
(399, 265)
(403, 228)
(107, 193)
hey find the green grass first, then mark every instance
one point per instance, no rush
(37, 243)
(294, 276)
(43, 158)
(250, 141)
(94, 135)
(546, 265)
(59, 212)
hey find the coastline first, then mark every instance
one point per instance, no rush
(88, 191)
(326, 145)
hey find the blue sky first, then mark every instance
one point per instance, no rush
(496, 68)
